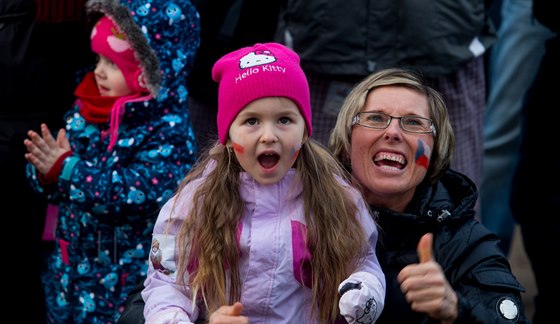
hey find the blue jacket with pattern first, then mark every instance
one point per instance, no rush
(109, 196)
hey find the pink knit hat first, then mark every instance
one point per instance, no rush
(108, 40)
(250, 73)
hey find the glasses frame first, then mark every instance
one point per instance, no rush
(356, 121)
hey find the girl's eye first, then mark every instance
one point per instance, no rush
(284, 120)
(251, 121)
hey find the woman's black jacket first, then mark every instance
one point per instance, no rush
(468, 253)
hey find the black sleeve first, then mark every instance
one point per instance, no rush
(487, 289)
(134, 307)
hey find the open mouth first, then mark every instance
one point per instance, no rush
(102, 89)
(268, 161)
(389, 161)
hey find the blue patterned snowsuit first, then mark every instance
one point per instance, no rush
(109, 199)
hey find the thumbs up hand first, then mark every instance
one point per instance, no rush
(425, 286)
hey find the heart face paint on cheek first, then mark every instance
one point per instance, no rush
(422, 155)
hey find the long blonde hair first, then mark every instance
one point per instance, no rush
(209, 232)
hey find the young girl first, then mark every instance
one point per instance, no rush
(264, 228)
(126, 146)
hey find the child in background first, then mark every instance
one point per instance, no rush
(264, 228)
(126, 146)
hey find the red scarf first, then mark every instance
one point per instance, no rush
(95, 108)
(99, 109)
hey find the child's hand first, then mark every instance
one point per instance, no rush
(44, 151)
(229, 314)
(357, 303)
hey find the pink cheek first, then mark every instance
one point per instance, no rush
(422, 154)
(238, 148)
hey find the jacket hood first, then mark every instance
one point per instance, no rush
(164, 35)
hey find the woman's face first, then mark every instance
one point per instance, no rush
(391, 162)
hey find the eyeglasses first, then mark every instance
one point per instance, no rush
(413, 124)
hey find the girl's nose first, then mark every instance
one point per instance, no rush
(268, 133)
(99, 71)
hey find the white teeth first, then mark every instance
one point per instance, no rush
(390, 157)
(389, 167)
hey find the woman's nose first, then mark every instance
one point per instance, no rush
(394, 130)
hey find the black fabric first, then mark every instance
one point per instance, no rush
(134, 307)
(537, 174)
(37, 68)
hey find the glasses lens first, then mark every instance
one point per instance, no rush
(416, 124)
(374, 120)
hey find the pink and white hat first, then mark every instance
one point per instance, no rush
(109, 41)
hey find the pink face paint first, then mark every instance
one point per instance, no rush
(422, 156)
(238, 148)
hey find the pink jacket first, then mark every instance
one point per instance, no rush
(272, 250)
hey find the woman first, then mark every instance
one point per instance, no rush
(394, 135)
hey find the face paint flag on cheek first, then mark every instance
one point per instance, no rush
(238, 148)
(295, 151)
(422, 154)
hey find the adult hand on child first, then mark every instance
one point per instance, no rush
(425, 286)
(44, 151)
(229, 314)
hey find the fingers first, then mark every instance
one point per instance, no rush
(425, 248)
(47, 136)
(35, 143)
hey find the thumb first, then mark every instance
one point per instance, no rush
(62, 140)
(235, 310)
(425, 247)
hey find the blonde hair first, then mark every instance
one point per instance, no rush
(208, 235)
(444, 139)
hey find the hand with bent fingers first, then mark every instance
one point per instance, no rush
(44, 150)
(425, 286)
(229, 315)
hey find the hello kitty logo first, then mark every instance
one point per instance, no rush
(258, 61)
(256, 58)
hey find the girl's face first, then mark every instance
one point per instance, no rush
(109, 78)
(391, 162)
(266, 137)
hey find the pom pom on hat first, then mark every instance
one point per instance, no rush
(109, 41)
(262, 70)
